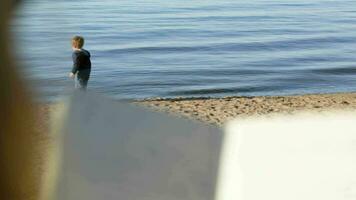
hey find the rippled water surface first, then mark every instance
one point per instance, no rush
(161, 48)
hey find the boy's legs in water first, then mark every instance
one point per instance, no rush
(81, 84)
(82, 79)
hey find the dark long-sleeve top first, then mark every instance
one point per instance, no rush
(81, 60)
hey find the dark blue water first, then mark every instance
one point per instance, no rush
(162, 48)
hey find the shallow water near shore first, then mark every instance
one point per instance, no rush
(143, 49)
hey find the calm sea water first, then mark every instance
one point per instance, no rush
(192, 48)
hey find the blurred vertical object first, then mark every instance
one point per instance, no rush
(19, 176)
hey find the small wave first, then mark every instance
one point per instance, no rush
(335, 71)
(215, 72)
(234, 90)
(194, 72)
(293, 44)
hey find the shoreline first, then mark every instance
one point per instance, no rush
(183, 98)
(217, 111)
(230, 97)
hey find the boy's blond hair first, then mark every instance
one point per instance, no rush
(78, 42)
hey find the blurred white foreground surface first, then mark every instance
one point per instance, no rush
(110, 150)
(116, 151)
(303, 157)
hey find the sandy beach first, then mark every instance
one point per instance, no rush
(218, 111)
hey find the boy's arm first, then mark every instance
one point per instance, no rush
(75, 63)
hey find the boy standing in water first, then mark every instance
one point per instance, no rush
(81, 63)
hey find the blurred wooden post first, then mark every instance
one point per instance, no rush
(19, 178)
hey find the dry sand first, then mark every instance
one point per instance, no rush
(217, 111)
